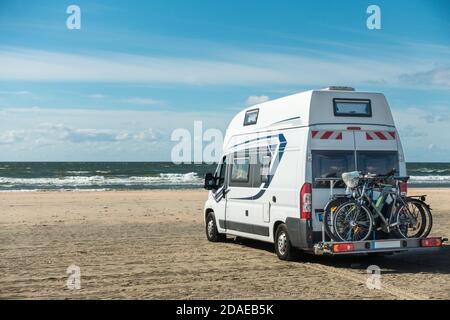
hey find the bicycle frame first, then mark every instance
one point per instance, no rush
(368, 201)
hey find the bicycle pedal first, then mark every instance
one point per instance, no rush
(394, 224)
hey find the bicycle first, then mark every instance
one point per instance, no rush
(355, 220)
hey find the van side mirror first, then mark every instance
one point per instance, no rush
(210, 182)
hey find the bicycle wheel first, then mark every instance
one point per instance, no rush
(427, 211)
(411, 219)
(328, 216)
(353, 222)
(414, 219)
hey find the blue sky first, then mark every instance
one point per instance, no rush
(137, 70)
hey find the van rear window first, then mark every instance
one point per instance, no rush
(331, 164)
(352, 108)
(378, 162)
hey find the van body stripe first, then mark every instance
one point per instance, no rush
(326, 135)
(380, 135)
(338, 135)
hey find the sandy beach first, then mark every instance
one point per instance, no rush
(151, 245)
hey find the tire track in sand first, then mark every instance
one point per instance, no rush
(359, 278)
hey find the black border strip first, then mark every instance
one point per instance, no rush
(244, 227)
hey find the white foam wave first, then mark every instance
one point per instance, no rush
(162, 179)
(430, 179)
(62, 190)
(431, 170)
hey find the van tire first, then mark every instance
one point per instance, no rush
(212, 234)
(283, 246)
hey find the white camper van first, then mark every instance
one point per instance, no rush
(264, 188)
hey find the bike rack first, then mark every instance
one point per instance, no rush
(333, 182)
(362, 247)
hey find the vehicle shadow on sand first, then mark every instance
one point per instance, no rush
(435, 261)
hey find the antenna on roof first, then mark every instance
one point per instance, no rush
(338, 88)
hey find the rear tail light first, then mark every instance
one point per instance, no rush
(305, 201)
(403, 188)
(343, 247)
(431, 242)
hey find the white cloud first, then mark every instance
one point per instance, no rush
(418, 132)
(57, 133)
(232, 67)
(60, 132)
(9, 137)
(15, 93)
(97, 96)
(439, 77)
(26, 64)
(150, 135)
(141, 101)
(65, 133)
(252, 100)
(94, 135)
(131, 100)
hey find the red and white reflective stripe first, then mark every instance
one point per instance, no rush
(326, 134)
(381, 135)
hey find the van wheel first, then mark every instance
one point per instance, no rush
(283, 246)
(211, 229)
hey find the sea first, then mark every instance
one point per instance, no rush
(104, 176)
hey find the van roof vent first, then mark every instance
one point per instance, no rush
(339, 88)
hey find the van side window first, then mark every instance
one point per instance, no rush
(331, 164)
(264, 162)
(240, 171)
(260, 161)
(251, 117)
(265, 168)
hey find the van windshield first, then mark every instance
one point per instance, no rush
(378, 162)
(331, 164)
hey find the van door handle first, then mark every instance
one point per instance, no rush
(274, 199)
(246, 213)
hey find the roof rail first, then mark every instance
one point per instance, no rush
(338, 88)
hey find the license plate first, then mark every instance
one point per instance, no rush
(387, 245)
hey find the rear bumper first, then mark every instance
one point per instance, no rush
(300, 233)
(375, 246)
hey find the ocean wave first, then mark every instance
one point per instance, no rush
(431, 170)
(62, 190)
(77, 172)
(430, 179)
(162, 179)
